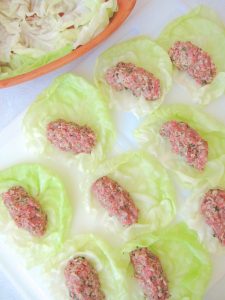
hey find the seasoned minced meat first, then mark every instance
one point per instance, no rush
(25, 210)
(186, 142)
(149, 273)
(70, 137)
(213, 210)
(130, 77)
(82, 280)
(115, 200)
(189, 57)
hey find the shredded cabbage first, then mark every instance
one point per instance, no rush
(34, 33)
(209, 129)
(102, 256)
(185, 262)
(203, 28)
(191, 213)
(70, 98)
(44, 186)
(144, 53)
(148, 184)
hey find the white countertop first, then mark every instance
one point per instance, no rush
(8, 292)
(15, 100)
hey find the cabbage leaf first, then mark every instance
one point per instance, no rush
(211, 130)
(203, 28)
(142, 52)
(30, 60)
(101, 255)
(70, 98)
(148, 184)
(191, 213)
(49, 191)
(185, 261)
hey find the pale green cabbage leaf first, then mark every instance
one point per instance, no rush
(70, 98)
(203, 28)
(49, 191)
(211, 130)
(23, 63)
(191, 213)
(185, 262)
(149, 186)
(35, 33)
(104, 258)
(142, 52)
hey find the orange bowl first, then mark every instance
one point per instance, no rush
(124, 9)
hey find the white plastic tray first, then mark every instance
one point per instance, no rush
(149, 17)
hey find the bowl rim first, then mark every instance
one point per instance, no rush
(125, 7)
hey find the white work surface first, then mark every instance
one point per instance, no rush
(148, 17)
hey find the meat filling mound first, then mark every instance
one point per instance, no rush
(213, 210)
(186, 142)
(115, 200)
(71, 137)
(82, 280)
(149, 274)
(127, 76)
(25, 211)
(198, 64)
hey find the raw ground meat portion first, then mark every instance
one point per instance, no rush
(189, 57)
(71, 137)
(149, 273)
(25, 211)
(186, 142)
(82, 280)
(139, 81)
(213, 210)
(115, 200)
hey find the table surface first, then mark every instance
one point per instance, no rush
(15, 100)
(8, 292)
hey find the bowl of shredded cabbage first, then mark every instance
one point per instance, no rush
(40, 36)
